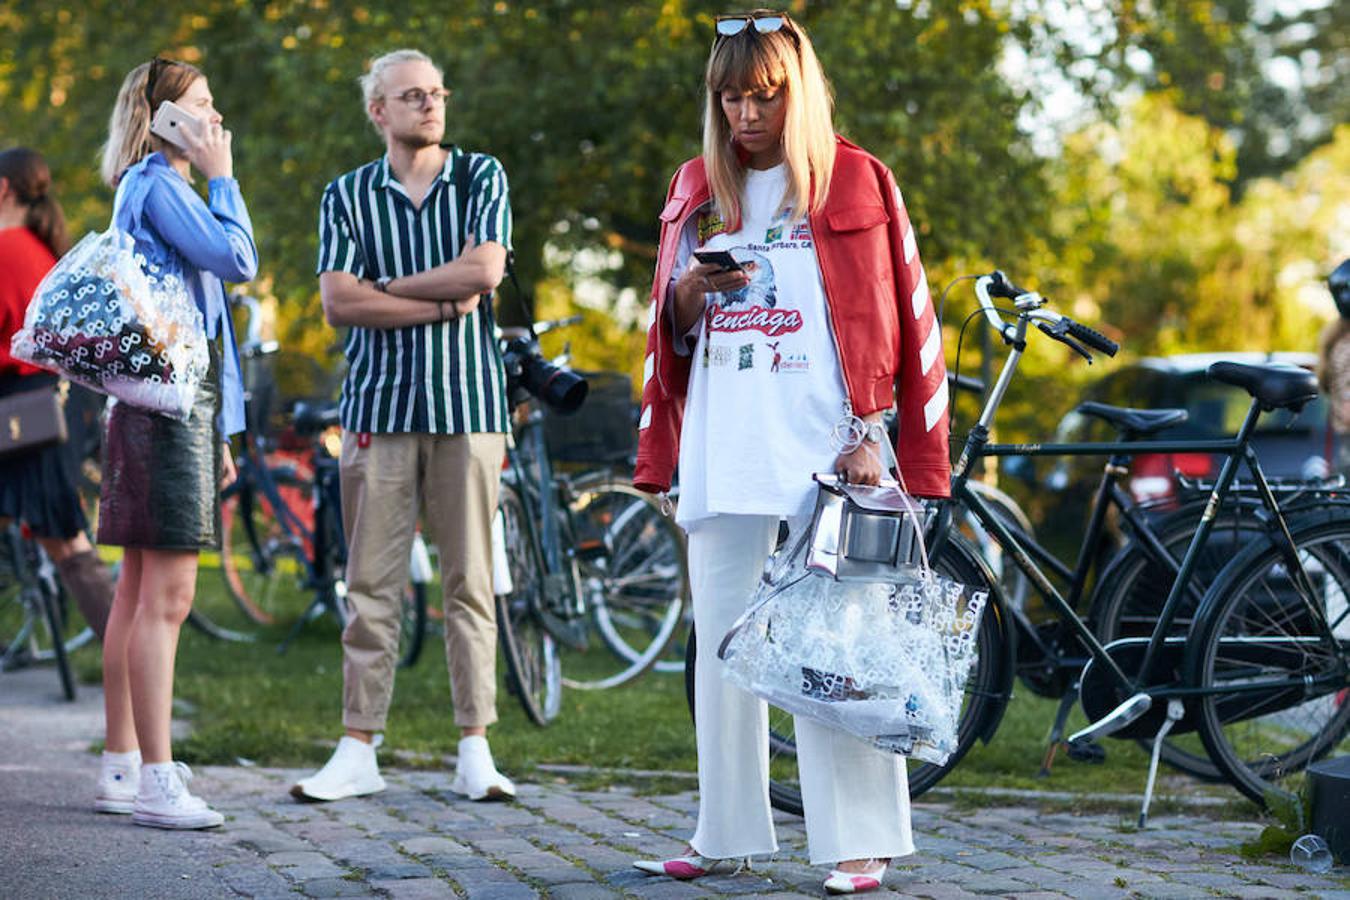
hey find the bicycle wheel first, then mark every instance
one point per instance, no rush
(262, 562)
(1130, 595)
(32, 628)
(631, 562)
(1257, 624)
(46, 595)
(534, 672)
(412, 624)
(986, 694)
(1013, 582)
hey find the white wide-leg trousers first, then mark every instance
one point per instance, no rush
(856, 798)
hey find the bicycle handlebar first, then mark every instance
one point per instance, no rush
(555, 324)
(1032, 305)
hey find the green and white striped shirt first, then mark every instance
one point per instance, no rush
(441, 378)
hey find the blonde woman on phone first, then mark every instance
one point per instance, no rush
(162, 477)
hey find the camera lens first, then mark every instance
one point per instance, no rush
(562, 390)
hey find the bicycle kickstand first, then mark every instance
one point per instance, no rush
(1175, 711)
(1056, 738)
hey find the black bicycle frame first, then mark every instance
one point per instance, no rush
(1237, 450)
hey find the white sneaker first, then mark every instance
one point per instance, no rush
(476, 776)
(351, 772)
(163, 800)
(118, 780)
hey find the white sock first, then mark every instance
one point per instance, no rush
(474, 751)
(131, 758)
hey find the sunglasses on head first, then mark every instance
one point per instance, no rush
(765, 22)
(157, 65)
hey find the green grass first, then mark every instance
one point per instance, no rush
(247, 701)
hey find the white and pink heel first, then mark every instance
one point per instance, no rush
(681, 867)
(854, 882)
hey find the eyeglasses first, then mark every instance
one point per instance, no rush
(765, 22)
(418, 98)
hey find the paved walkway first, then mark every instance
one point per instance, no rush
(417, 840)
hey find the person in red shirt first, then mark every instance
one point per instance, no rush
(38, 487)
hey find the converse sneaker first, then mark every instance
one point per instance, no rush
(118, 780)
(476, 776)
(351, 772)
(163, 800)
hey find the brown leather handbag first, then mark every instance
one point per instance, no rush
(31, 420)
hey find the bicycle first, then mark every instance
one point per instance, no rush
(594, 580)
(1102, 689)
(32, 623)
(285, 556)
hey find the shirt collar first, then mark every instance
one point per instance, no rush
(384, 175)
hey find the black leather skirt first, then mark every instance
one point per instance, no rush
(161, 477)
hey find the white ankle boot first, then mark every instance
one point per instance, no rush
(163, 800)
(350, 772)
(119, 778)
(476, 776)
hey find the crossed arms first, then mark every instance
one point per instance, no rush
(447, 291)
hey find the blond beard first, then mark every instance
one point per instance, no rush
(416, 141)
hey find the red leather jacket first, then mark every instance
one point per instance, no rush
(888, 338)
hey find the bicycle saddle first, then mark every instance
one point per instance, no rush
(1134, 422)
(312, 418)
(1275, 386)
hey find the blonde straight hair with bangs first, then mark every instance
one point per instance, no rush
(782, 59)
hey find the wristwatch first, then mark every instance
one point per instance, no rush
(875, 433)
(382, 283)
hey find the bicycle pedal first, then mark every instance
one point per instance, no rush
(1086, 752)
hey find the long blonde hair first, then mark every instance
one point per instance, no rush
(129, 137)
(783, 60)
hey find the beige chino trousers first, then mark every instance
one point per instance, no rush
(453, 478)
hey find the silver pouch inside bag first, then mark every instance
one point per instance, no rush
(865, 533)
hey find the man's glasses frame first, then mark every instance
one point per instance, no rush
(418, 97)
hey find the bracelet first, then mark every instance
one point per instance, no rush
(848, 433)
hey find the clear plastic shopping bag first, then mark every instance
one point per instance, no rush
(104, 318)
(887, 662)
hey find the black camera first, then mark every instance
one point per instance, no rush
(528, 373)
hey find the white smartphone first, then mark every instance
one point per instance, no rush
(171, 119)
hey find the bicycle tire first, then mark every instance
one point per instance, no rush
(1253, 624)
(47, 596)
(986, 692)
(412, 624)
(32, 610)
(1129, 596)
(1014, 585)
(262, 563)
(534, 670)
(633, 570)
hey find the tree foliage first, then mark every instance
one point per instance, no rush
(591, 105)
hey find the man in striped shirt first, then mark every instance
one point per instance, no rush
(410, 248)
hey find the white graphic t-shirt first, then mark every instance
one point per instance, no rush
(766, 387)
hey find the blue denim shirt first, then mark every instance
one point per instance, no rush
(207, 244)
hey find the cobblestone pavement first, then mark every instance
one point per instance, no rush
(417, 840)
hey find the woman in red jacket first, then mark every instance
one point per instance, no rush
(823, 319)
(38, 487)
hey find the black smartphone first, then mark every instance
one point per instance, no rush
(720, 258)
